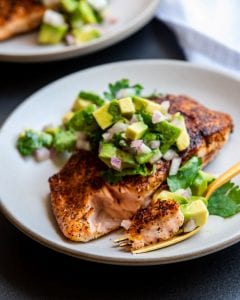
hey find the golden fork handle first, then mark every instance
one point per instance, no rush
(222, 179)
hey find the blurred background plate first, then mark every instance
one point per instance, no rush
(131, 15)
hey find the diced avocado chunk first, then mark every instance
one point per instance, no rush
(68, 5)
(136, 130)
(91, 96)
(103, 117)
(49, 34)
(183, 141)
(67, 117)
(145, 158)
(169, 134)
(200, 183)
(87, 13)
(64, 140)
(147, 105)
(108, 150)
(85, 34)
(166, 195)
(195, 210)
(80, 104)
(126, 106)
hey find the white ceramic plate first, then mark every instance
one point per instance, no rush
(24, 183)
(131, 16)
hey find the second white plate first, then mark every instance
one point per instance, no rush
(131, 16)
(24, 190)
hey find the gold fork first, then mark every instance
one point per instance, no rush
(221, 180)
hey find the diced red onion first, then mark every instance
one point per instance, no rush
(165, 105)
(136, 144)
(189, 226)
(157, 117)
(155, 158)
(70, 39)
(154, 144)
(42, 154)
(116, 163)
(117, 128)
(170, 154)
(83, 145)
(126, 224)
(123, 93)
(133, 119)
(144, 149)
(186, 193)
(176, 162)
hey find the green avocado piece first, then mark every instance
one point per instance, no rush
(108, 150)
(136, 130)
(166, 195)
(103, 117)
(83, 35)
(87, 12)
(68, 6)
(126, 107)
(195, 210)
(49, 34)
(80, 104)
(200, 183)
(142, 104)
(183, 141)
(169, 134)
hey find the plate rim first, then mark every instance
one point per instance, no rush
(108, 260)
(108, 39)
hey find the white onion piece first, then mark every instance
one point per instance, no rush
(117, 128)
(186, 193)
(107, 136)
(53, 18)
(154, 144)
(155, 158)
(189, 226)
(83, 145)
(136, 144)
(126, 224)
(133, 119)
(98, 4)
(116, 163)
(42, 154)
(176, 162)
(170, 154)
(157, 117)
(123, 93)
(144, 149)
(165, 105)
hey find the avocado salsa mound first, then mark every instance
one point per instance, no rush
(131, 135)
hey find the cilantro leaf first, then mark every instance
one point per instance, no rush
(185, 176)
(90, 96)
(114, 88)
(225, 201)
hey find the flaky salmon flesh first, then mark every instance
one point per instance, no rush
(19, 16)
(86, 207)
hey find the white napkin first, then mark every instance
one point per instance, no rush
(207, 30)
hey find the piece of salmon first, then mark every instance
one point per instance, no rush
(86, 207)
(159, 221)
(19, 16)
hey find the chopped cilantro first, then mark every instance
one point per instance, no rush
(90, 96)
(119, 85)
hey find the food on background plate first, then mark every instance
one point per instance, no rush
(129, 148)
(19, 16)
(69, 21)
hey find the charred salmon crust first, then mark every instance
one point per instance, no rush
(19, 16)
(86, 207)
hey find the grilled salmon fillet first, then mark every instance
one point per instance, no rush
(86, 207)
(19, 16)
(159, 221)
